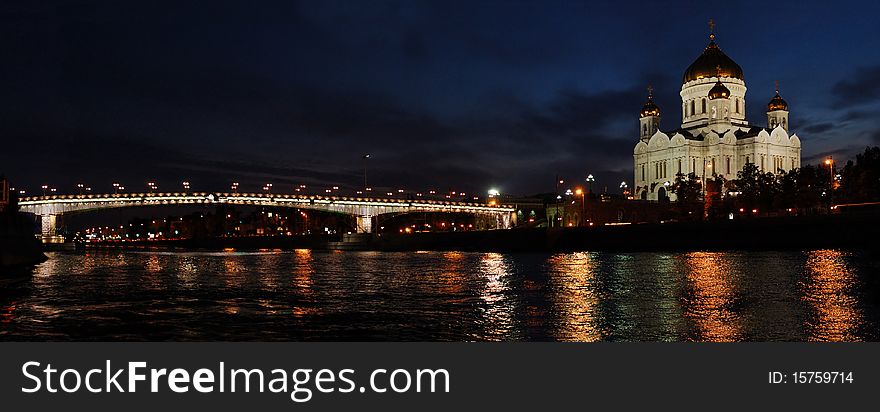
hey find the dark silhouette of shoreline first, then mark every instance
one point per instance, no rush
(857, 230)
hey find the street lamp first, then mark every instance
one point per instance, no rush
(706, 165)
(590, 180)
(830, 162)
(234, 187)
(152, 186)
(268, 188)
(185, 184)
(493, 193)
(115, 187)
(80, 187)
(558, 196)
(623, 188)
(580, 192)
(366, 156)
(44, 187)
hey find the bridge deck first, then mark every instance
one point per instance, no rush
(256, 198)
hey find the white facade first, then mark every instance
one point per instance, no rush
(714, 138)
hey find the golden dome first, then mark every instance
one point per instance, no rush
(719, 91)
(708, 64)
(650, 108)
(776, 103)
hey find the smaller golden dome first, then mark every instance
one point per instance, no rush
(650, 108)
(719, 91)
(777, 103)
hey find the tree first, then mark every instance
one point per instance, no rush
(747, 186)
(767, 191)
(686, 188)
(860, 181)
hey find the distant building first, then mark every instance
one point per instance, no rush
(714, 137)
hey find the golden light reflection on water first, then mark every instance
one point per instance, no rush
(709, 305)
(827, 287)
(575, 297)
(7, 314)
(187, 271)
(452, 275)
(495, 293)
(303, 271)
(152, 264)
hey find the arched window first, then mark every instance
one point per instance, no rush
(714, 170)
(728, 164)
(783, 123)
(679, 165)
(644, 129)
(747, 160)
(692, 108)
(737, 105)
(704, 105)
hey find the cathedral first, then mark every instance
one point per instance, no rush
(714, 139)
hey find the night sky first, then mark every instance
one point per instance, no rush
(463, 95)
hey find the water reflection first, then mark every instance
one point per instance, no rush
(711, 297)
(451, 273)
(495, 295)
(828, 290)
(303, 270)
(7, 314)
(153, 264)
(313, 295)
(575, 297)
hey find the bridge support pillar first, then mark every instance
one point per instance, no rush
(365, 224)
(48, 229)
(48, 224)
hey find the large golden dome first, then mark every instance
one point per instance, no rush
(713, 62)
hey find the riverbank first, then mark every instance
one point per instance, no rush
(777, 233)
(18, 246)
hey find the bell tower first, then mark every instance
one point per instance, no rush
(777, 111)
(649, 117)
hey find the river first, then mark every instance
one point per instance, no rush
(818, 295)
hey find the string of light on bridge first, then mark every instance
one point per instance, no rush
(235, 187)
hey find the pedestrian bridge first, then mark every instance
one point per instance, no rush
(49, 208)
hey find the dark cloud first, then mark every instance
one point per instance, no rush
(818, 127)
(442, 94)
(859, 88)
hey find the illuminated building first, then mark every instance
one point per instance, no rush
(714, 137)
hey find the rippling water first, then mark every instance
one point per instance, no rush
(823, 295)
